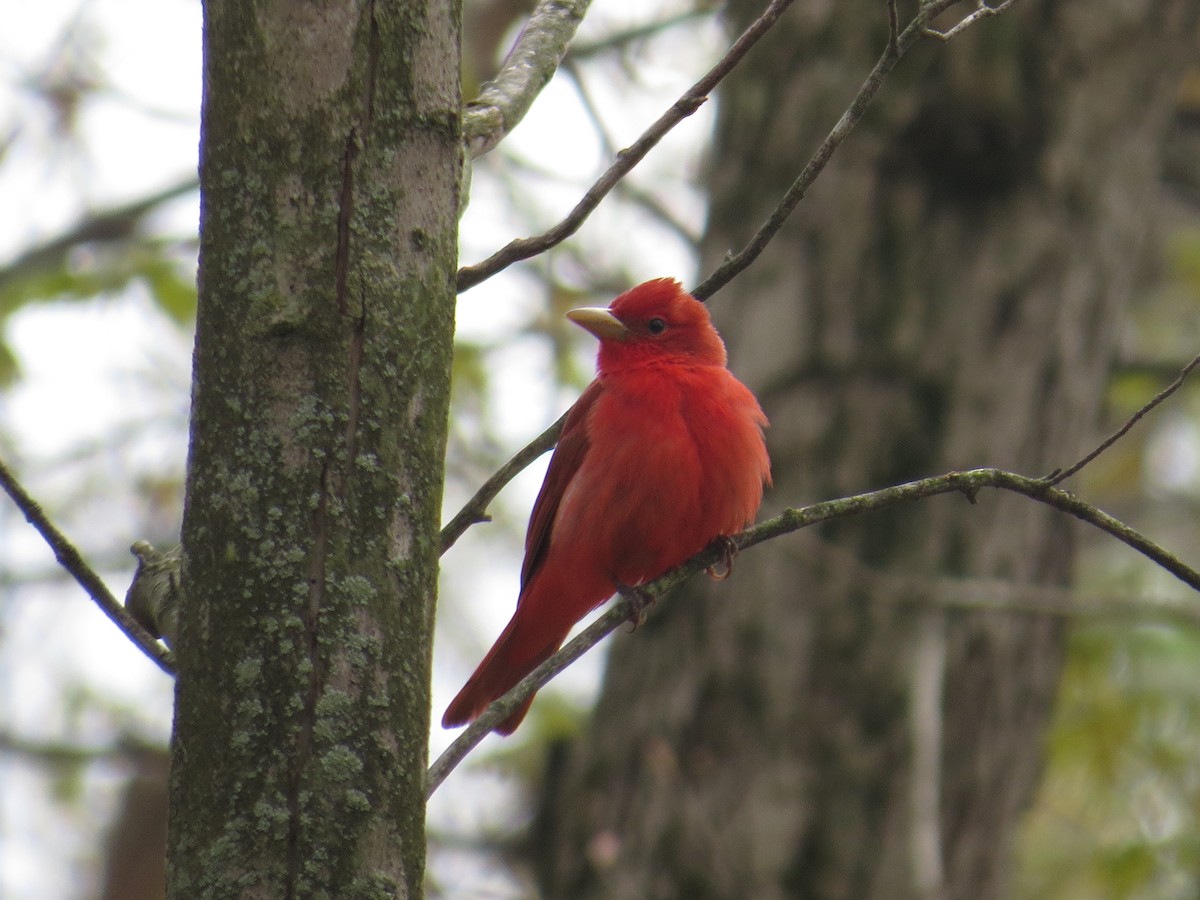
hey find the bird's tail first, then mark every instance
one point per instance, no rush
(517, 652)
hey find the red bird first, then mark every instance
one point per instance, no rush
(662, 454)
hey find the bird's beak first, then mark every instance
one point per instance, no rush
(600, 322)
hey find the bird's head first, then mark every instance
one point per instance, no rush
(655, 321)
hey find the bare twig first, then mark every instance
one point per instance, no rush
(1060, 475)
(982, 11)
(500, 709)
(688, 103)
(475, 509)
(967, 483)
(897, 46)
(530, 65)
(71, 560)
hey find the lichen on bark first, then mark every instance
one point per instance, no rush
(321, 384)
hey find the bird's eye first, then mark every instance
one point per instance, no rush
(656, 325)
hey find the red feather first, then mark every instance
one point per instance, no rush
(661, 454)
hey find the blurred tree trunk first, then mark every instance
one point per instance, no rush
(329, 169)
(949, 295)
(135, 854)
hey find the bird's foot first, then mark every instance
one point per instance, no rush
(723, 568)
(639, 601)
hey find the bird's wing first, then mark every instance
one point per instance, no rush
(568, 457)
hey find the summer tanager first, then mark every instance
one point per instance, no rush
(661, 455)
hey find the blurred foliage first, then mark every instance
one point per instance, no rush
(92, 271)
(1118, 812)
(106, 250)
(1184, 256)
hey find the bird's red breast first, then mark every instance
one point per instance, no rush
(662, 454)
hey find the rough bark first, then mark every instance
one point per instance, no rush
(949, 295)
(330, 156)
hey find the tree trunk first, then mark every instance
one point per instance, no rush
(949, 295)
(330, 158)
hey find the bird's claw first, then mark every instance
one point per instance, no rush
(723, 568)
(639, 601)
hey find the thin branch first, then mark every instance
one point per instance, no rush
(71, 560)
(897, 46)
(688, 103)
(529, 66)
(500, 709)
(475, 510)
(982, 11)
(1059, 475)
(967, 483)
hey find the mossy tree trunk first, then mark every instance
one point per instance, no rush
(330, 158)
(949, 295)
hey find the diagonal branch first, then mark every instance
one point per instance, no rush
(982, 11)
(475, 509)
(688, 103)
(1060, 475)
(898, 44)
(71, 560)
(967, 483)
(529, 66)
